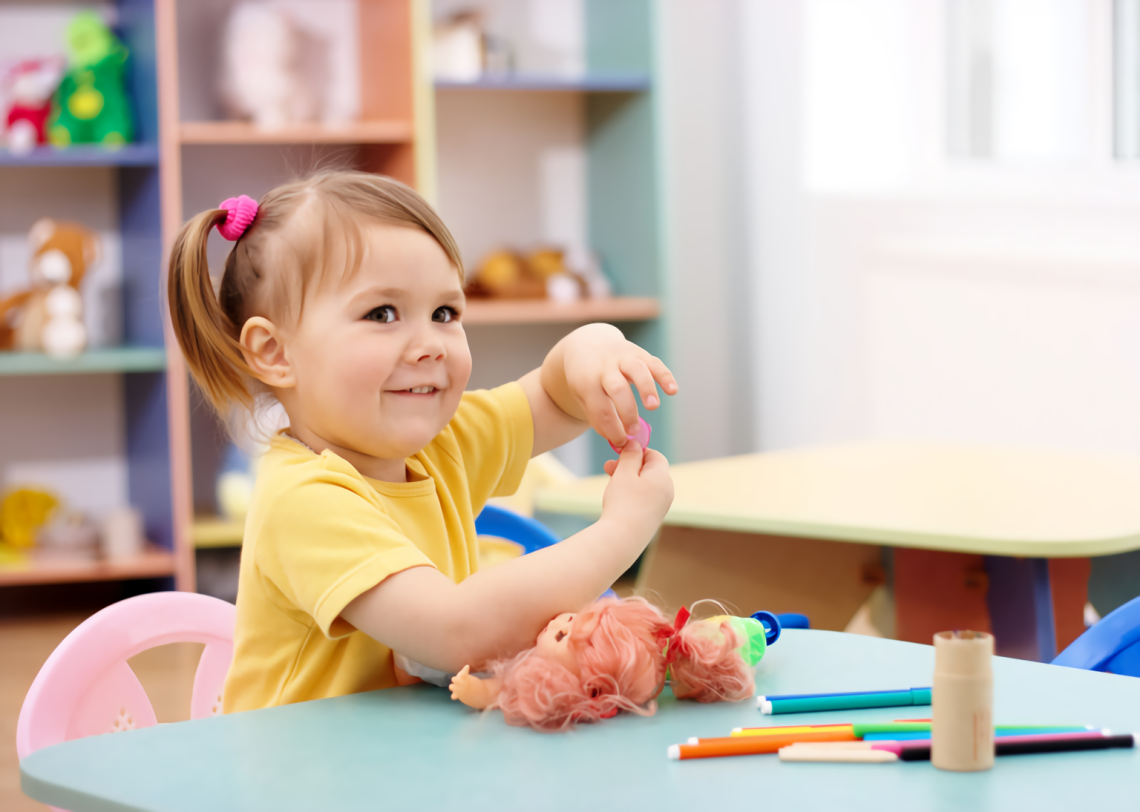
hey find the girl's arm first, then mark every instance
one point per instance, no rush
(498, 612)
(585, 381)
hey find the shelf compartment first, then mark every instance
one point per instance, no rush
(111, 359)
(588, 83)
(84, 155)
(389, 131)
(155, 562)
(544, 311)
(214, 531)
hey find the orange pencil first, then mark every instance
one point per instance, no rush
(755, 745)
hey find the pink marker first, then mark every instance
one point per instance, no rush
(642, 436)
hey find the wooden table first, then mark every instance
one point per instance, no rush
(986, 538)
(413, 748)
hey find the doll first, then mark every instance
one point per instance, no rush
(30, 84)
(91, 104)
(611, 656)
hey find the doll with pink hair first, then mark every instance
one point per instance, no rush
(615, 655)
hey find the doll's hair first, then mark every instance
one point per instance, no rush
(298, 229)
(705, 664)
(618, 645)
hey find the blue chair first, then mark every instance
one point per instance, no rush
(792, 620)
(528, 533)
(1112, 644)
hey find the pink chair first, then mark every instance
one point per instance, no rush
(86, 686)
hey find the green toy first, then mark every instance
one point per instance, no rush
(91, 105)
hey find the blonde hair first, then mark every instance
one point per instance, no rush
(270, 267)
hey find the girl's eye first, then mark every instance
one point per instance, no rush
(444, 314)
(384, 314)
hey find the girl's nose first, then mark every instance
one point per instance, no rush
(426, 345)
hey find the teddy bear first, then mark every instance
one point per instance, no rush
(30, 85)
(48, 317)
(91, 104)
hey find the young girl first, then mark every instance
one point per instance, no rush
(343, 299)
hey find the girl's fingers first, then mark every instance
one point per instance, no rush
(662, 374)
(638, 373)
(628, 462)
(610, 466)
(617, 387)
(604, 418)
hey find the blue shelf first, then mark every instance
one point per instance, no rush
(590, 83)
(84, 155)
(109, 360)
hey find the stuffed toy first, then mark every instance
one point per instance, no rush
(561, 276)
(91, 104)
(30, 85)
(48, 317)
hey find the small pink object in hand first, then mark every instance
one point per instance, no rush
(642, 436)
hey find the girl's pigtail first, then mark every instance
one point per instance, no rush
(207, 336)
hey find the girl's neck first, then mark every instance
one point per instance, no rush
(385, 470)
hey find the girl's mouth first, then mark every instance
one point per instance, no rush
(416, 390)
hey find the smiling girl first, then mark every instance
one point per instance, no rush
(343, 299)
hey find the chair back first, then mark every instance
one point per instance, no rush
(1112, 644)
(86, 686)
(529, 533)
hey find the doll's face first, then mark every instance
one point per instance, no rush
(554, 642)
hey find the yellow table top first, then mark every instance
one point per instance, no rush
(996, 501)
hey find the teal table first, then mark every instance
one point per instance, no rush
(413, 749)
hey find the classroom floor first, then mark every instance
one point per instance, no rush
(167, 674)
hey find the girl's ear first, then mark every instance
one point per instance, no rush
(264, 351)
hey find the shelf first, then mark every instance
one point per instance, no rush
(84, 155)
(154, 563)
(112, 359)
(216, 532)
(544, 311)
(592, 83)
(392, 131)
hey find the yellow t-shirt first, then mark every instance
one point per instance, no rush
(319, 534)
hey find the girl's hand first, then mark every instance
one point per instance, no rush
(600, 367)
(640, 490)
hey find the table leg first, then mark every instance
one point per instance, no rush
(827, 581)
(937, 591)
(1070, 581)
(1020, 599)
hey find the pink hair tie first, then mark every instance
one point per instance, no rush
(240, 212)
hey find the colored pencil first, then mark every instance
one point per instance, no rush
(1024, 745)
(920, 750)
(887, 729)
(808, 703)
(753, 745)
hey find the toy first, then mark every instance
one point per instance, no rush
(30, 85)
(561, 276)
(614, 655)
(641, 437)
(48, 317)
(91, 105)
(286, 64)
(22, 513)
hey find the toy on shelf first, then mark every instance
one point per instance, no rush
(615, 655)
(23, 512)
(91, 104)
(551, 273)
(30, 85)
(48, 316)
(282, 65)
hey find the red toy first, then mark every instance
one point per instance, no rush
(30, 85)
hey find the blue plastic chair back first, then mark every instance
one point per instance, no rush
(1112, 644)
(530, 533)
